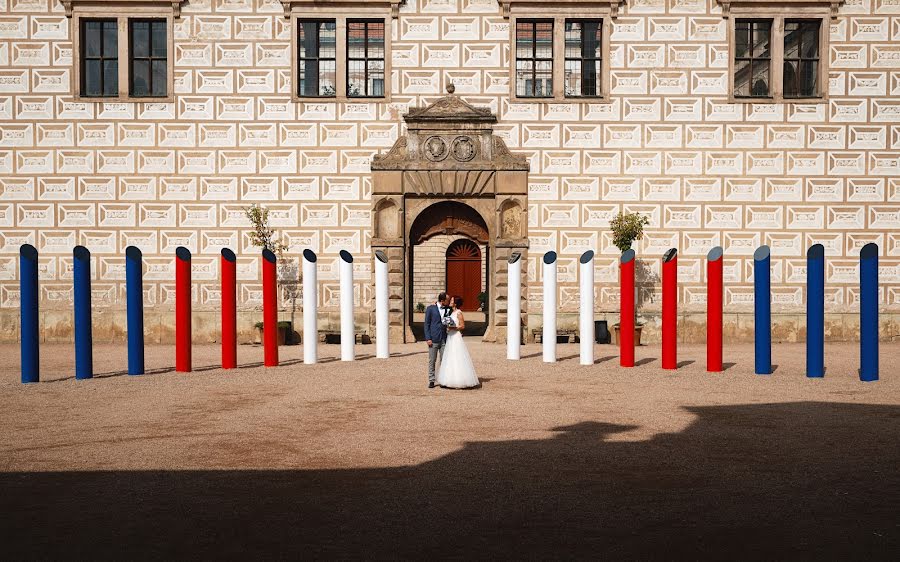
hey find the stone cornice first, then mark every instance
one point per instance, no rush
(114, 6)
(350, 6)
(787, 6)
(610, 6)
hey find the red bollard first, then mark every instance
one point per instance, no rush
(182, 310)
(626, 310)
(270, 310)
(229, 309)
(714, 310)
(670, 309)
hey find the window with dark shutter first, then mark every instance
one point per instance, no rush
(99, 58)
(148, 58)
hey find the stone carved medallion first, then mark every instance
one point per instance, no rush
(463, 149)
(435, 149)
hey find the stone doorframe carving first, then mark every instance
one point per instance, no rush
(449, 153)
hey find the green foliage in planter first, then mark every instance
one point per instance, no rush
(626, 228)
(420, 307)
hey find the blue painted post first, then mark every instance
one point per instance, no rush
(134, 289)
(868, 312)
(84, 363)
(762, 309)
(28, 313)
(815, 311)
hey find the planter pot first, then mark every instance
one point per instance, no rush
(637, 334)
(285, 336)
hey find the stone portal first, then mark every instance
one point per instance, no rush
(449, 174)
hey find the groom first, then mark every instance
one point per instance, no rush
(436, 332)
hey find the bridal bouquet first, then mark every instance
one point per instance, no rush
(448, 322)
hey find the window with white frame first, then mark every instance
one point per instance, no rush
(340, 57)
(121, 54)
(559, 53)
(777, 53)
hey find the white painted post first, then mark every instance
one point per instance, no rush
(514, 307)
(348, 337)
(310, 302)
(382, 304)
(586, 316)
(549, 336)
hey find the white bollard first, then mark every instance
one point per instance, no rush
(382, 304)
(514, 307)
(348, 337)
(586, 312)
(310, 302)
(549, 337)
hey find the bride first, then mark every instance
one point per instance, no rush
(456, 370)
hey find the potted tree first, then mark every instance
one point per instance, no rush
(626, 229)
(482, 301)
(263, 236)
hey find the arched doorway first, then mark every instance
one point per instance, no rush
(463, 272)
(448, 251)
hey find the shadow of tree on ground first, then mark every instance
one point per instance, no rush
(760, 481)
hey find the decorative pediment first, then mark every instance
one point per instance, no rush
(310, 7)
(454, 136)
(113, 6)
(546, 7)
(450, 108)
(792, 7)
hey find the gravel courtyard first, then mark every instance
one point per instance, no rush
(361, 460)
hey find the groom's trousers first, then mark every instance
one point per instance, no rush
(433, 352)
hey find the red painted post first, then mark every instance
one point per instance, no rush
(714, 310)
(229, 309)
(670, 310)
(270, 310)
(626, 310)
(182, 310)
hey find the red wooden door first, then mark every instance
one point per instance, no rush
(464, 272)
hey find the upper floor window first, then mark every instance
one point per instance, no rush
(584, 58)
(99, 58)
(148, 56)
(316, 63)
(559, 57)
(534, 59)
(123, 53)
(365, 58)
(777, 58)
(337, 57)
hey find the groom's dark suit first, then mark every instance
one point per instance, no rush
(436, 331)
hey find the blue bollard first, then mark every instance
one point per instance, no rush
(28, 313)
(815, 311)
(762, 309)
(84, 362)
(134, 289)
(868, 313)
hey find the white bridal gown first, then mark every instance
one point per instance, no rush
(457, 370)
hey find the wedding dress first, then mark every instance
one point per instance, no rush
(457, 370)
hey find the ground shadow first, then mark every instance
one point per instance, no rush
(604, 359)
(681, 364)
(644, 361)
(758, 481)
(726, 366)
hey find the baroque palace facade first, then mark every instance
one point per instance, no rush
(727, 123)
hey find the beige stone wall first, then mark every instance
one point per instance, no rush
(666, 143)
